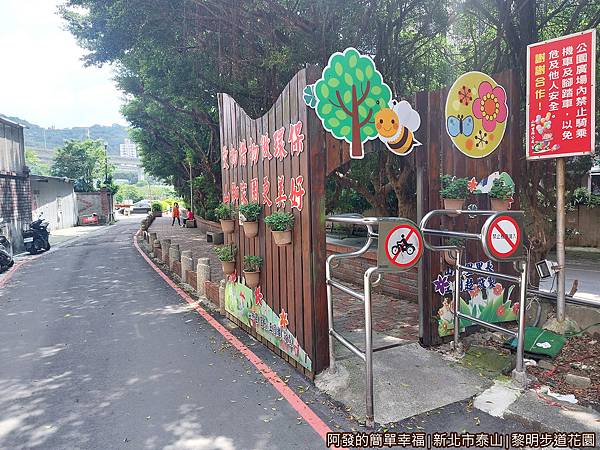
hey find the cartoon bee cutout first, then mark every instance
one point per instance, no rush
(396, 126)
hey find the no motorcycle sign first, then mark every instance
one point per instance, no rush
(400, 245)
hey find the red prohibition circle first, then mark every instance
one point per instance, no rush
(514, 245)
(412, 229)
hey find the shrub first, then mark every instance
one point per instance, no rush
(156, 207)
(251, 211)
(224, 211)
(226, 253)
(454, 188)
(280, 221)
(500, 190)
(252, 263)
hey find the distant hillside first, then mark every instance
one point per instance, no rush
(55, 137)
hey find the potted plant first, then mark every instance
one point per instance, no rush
(226, 254)
(281, 224)
(500, 195)
(249, 214)
(454, 191)
(225, 214)
(252, 265)
(157, 209)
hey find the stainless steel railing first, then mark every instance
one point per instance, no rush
(367, 355)
(521, 266)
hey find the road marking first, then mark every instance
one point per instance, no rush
(8, 275)
(270, 375)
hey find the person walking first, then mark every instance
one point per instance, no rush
(175, 214)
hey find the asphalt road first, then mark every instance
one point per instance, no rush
(98, 352)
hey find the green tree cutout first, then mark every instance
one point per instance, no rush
(349, 93)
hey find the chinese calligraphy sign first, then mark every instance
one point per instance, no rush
(561, 96)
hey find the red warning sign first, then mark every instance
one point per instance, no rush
(504, 237)
(404, 245)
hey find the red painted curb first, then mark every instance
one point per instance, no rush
(296, 402)
(10, 273)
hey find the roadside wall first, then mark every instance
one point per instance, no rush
(15, 191)
(400, 285)
(55, 198)
(585, 220)
(89, 203)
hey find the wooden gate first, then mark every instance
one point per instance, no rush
(292, 279)
(438, 156)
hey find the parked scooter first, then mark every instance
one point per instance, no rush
(6, 259)
(36, 238)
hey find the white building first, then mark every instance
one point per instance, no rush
(128, 149)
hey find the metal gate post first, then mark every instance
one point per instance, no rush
(519, 375)
(370, 419)
(456, 301)
(332, 367)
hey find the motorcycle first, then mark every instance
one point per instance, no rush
(6, 259)
(36, 238)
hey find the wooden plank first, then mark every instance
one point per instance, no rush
(285, 168)
(275, 274)
(317, 169)
(298, 113)
(295, 258)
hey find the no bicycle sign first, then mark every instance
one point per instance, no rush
(503, 237)
(400, 245)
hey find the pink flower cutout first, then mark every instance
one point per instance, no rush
(472, 184)
(490, 106)
(258, 296)
(283, 319)
(515, 309)
(233, 277)
(497, 290)
(500, 311)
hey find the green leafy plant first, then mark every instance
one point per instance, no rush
(500, 190)
(252, 263)
(226, 253)
(251, 211)
(280, 221)
(157, 207)
(454, 188)
(225, 211)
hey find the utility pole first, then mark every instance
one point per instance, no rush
(105, 162)
(191, 190)
(560, 238)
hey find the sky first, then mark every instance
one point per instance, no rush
(42, 77)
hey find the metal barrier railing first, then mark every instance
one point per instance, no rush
(521, 266)
(365, 296)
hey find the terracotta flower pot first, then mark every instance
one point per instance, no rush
(250, 229)
(282, 237)
(252, 279)
(227, 225)
(498, 204)
(449, 257)
(454, 203)
(228, 267)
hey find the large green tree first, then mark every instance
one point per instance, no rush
(84, 162)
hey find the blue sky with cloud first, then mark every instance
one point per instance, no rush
(42, 79)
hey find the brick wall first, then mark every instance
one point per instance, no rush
(351, 270)
(15, 207)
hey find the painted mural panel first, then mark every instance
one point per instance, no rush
(250, 307)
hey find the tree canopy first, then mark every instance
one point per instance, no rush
(84, 162)
(172, 57)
